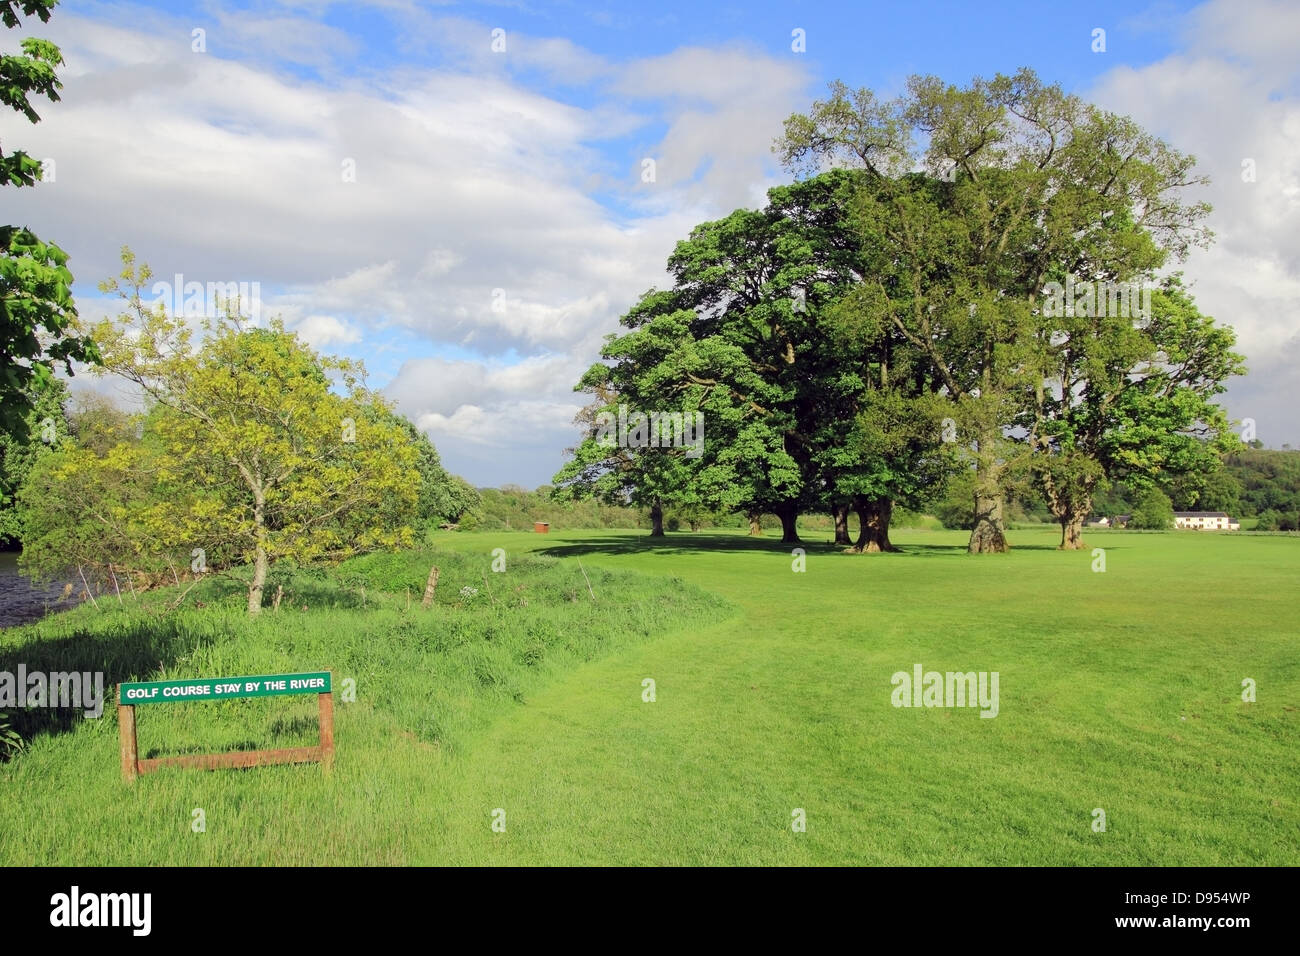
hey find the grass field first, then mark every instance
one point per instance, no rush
(1119, 690)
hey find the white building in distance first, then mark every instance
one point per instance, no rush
(1205, 521)
(1191, 520)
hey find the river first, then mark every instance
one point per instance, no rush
(20, 600)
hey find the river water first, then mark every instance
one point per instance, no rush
(20, 600)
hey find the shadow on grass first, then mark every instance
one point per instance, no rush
(131, 651)
(123, 653)
(296, 726)
(197, 750)
(678, 543)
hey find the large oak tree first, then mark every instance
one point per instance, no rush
(974, 198)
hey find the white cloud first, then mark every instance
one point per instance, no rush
(468, 178)
(279, 39)
(725, 107)
(1231, 95)
(481, 415)
(1260, 34)
(478, 175)
(324, 331)
(439, 387)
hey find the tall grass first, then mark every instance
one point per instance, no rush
(438, 674)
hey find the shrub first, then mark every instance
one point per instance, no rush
(955, 513)
(1153, 511)
(1269, 520)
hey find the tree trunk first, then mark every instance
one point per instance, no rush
(755, 524)
(1069, 515)
(1069, 506)
(840, 512)
(657, 519)
(789, 516)
(873, 525)
(258, 583)
(1072, 531)
(988, 536)
(430, 587)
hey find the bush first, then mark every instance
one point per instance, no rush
(1153, 511)
(955, 507)
(903, 518)
(955, 512)
(1269, 520)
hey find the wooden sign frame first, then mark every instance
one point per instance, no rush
(225, 688)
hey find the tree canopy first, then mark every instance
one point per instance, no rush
(963, 278)
(254, 449)
(1020, 184)
(38, 319)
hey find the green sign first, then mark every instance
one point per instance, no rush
(222, 688)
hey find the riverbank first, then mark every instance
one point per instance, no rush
(21, 601)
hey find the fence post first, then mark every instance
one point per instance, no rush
(126, 738)
(430, 586)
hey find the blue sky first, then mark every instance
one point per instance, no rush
(860, 43)
(497, 223)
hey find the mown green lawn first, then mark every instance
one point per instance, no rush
(1119, 690)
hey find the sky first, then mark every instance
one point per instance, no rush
(456, 194)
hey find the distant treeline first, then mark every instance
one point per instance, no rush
(1253, 483)
(517, 509)
(513, 508)
(1266, 484)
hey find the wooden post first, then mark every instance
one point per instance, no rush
(88, 594)
(326, 731)
(430, 587)
(126, 738)
(133, 766)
